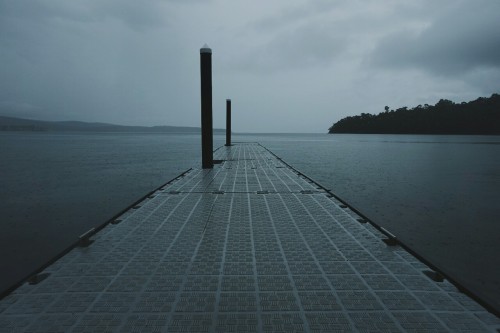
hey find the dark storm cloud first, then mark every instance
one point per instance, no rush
(305, 35)
(308, 45)
(291, 15)
(460, 40)
(132, 13)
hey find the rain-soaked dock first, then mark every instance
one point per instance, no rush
(249, 246)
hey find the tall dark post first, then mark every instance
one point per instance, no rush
(228, 122)
(207, 157)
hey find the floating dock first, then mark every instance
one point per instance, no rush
(251, 245)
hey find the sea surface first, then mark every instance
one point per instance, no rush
(440, 195)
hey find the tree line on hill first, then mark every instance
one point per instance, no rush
(481, 116)
(12, 124)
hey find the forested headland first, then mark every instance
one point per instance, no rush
(481, 116)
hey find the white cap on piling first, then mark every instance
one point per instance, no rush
(205, 49)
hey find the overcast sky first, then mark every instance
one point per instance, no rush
(287, 65)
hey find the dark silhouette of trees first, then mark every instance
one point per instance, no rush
(481, 116)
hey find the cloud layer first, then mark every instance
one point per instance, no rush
(457, 41)
(298, 64)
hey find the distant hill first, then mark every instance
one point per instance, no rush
(481, 116)
(19, 124)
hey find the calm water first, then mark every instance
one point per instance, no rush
(439, 194)
(54, 187)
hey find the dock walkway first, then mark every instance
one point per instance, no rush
(250, 246)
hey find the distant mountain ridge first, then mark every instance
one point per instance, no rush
(20, 124)
(481, 116)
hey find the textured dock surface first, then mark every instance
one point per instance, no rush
(250, 246)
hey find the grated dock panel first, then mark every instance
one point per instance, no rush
(248, 246)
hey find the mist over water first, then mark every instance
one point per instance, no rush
(438, 194)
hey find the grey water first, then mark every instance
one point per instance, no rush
(439, 194)
(55, 187)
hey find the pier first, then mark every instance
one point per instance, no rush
(250, 245)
